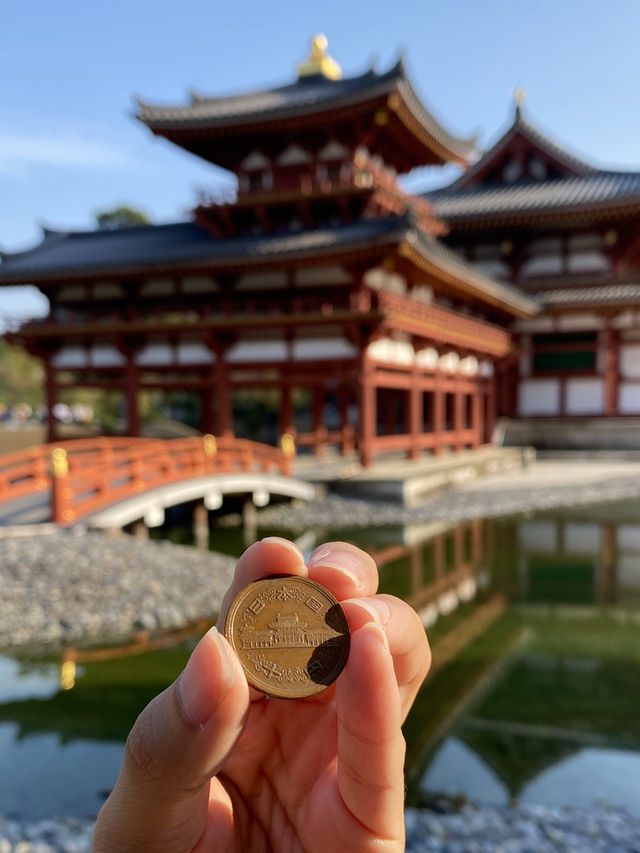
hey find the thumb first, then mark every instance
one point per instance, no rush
(177, 744)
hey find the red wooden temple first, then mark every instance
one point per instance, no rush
(568, 235)
(322, 275)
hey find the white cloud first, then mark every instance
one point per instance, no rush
(21, 151)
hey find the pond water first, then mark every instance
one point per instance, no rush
(534, 694)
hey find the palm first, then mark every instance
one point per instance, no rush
(291, 797)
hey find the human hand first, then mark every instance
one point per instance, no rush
(211, 765)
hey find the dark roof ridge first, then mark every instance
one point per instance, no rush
(396, 70)
(521, 125)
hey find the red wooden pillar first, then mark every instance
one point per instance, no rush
(415, 413)
(206, 413)
(611, 370)
(458, 415)
(224, 412)
(367, 407)
(489, 408)
(287, 426)
(346, 428)
(319, 428)
(51, 394)
(437, 414)
(131, 394)
(476, 415)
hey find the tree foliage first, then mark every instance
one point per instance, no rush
(121, 217)
(21, 377)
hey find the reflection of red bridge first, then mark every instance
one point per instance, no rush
(114, 481)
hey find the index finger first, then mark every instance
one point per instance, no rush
(270, 556)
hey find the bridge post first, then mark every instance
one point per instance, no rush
(249, 523)
(61, 494)
(200, 525)
(140, 530)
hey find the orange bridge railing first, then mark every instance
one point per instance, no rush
(85, 475)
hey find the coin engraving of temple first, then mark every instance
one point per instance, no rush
(410, 323)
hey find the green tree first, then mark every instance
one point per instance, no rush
(121, 217)
(21, 377)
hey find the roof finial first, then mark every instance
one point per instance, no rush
(319, 61)
(519, 96)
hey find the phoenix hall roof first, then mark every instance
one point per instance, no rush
(186, 246)
(307, 100)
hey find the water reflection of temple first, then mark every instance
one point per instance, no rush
(526, 690)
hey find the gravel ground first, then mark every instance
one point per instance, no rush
(543, 485)
(523, 829)
(64, 589)
(473, 829)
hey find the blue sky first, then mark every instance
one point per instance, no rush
(71, 70)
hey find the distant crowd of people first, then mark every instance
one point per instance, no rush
(20, 414)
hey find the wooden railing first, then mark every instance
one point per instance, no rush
(88, 474)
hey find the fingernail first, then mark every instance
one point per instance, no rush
(376, 607)
(344, 562)
(278, 540)
(198, 692)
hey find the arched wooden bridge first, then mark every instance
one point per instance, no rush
(110, 482)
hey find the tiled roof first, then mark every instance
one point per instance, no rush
(184, 244)
(306, 96)
(181, 243)
(536, 197)
(608, 293)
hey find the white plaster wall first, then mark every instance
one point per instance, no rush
(582, 538)
(541, 265)
(628, 537)
(630, 361)
(626, 320)
(469, 366)
(106, 355)
(585, 396)
(539, 324)
(427, 358)
(156, 354)
(449, 362)
(629, 398)
(580, 322)
(323, 348)
(257, 351)
(587, 261)
(71, 356)
(379, 278)
(539, 536)
(397, 352)
(194, 352)
(539, 397)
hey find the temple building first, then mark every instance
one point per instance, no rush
(322, 281)
(567, 235)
